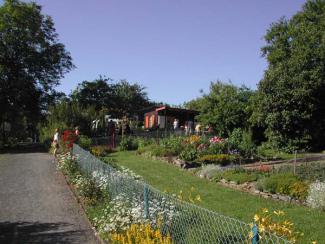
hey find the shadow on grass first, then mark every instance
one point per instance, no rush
(35, 232)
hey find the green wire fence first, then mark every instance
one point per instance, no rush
(185, 222)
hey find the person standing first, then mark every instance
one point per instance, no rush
(175, 124)
(190, 126)
(111, 133)
(56, 142)
(76, 131)
(198, 129)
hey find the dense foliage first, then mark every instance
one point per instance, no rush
(290, 102)
(224, 107)
(32, 61)
(119, 98)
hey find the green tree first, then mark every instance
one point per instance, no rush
(290, 102)
(224, 107)
(32, 61)
(120, 98)
(97, 93)
(66, 115)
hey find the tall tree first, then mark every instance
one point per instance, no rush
(32, 60)
(291, 101)
(224, 107)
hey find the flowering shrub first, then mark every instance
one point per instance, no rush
(316, 195)
(68, 139)
(193, 140)
(264, 168)
(123, 211)
(142, 233)
(88, 189)
(275, 222)
(216, 139)
(67, 164)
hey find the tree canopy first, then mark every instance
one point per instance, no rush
(224, 107)
(290, 103)
(32, 60)
(120, 98)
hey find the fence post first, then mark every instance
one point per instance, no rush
(146, 201)
(255, 239)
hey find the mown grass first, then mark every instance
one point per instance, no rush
(220, 199)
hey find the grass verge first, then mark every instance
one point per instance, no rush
(222, 200)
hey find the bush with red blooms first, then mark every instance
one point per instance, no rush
(68, 139)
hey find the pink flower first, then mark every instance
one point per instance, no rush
(216, 139)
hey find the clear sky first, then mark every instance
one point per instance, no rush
(172, 47)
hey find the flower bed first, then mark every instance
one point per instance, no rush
(117, 219)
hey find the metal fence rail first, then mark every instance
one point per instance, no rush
(186, 223)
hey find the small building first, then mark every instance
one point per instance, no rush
(163, 117)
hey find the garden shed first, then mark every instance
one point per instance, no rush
(163, 117)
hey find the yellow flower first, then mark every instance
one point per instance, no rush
(198, 198)
(314, 242)
(265, 210)
(256, 218)
(261, 228)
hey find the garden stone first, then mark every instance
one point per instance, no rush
(275, 196)
(223, 181)
(257, 192)
(284, 198)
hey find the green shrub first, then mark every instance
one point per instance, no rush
(159, 151)
(284, 183)
(144, 142)
(68, 165)
(239, 177)
(174, 143)
(247, 147)
(101, 150)
(128, 143)
(84, 142)
(221, 159)
(218, 148)
(218, 176)
(189, 154)
(87, 188)
(299, 190)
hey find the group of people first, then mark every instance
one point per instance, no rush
(189, 127)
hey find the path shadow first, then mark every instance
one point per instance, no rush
(35, 232)
(24, 148)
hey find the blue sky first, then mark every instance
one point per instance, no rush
(172, 47)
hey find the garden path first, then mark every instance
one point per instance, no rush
(36, 204)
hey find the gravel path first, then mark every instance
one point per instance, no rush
(36, 204)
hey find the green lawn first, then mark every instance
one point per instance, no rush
(223, 200)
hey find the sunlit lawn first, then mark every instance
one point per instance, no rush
(223, 200)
